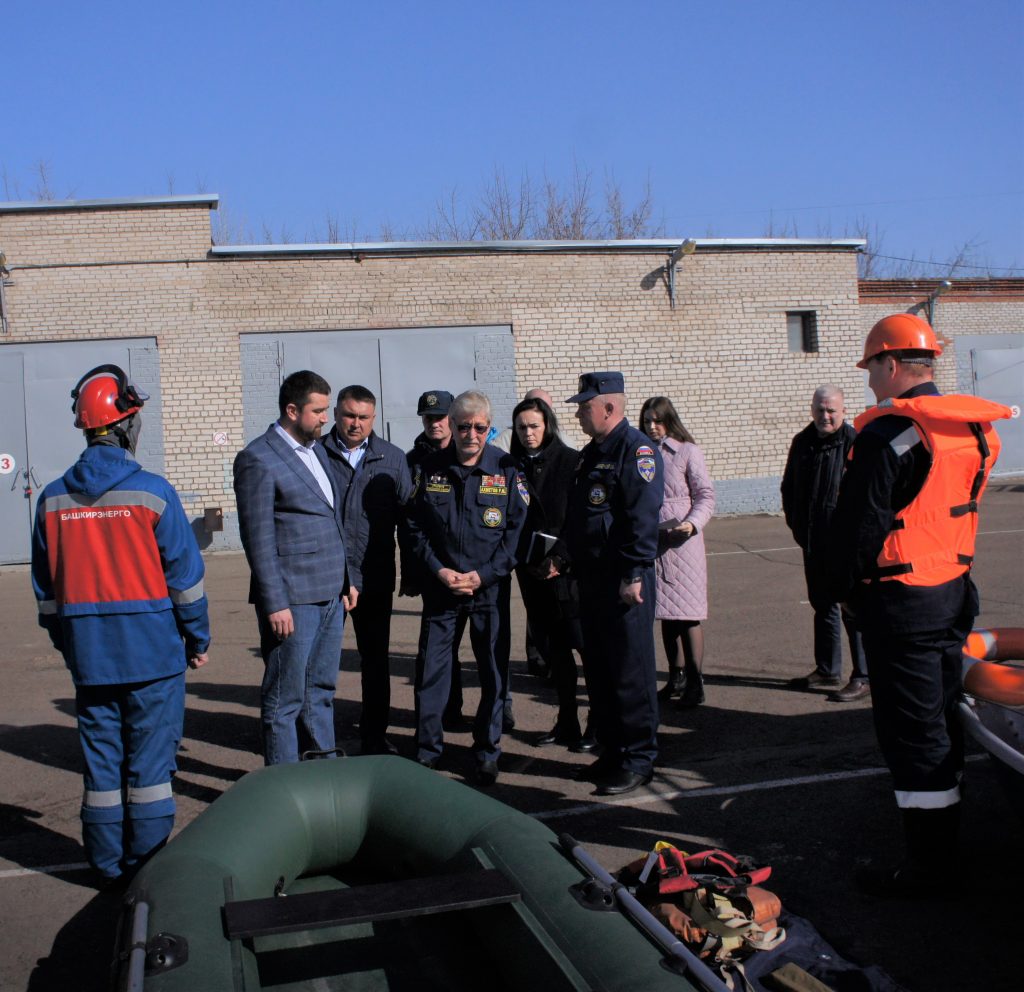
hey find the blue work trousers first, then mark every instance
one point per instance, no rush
(619, 663)
(129, 735)
(299, 681)
(442, 623)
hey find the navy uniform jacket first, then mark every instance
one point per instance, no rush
(468, 519)
(614, 505)
(292, 536)
(371, 497)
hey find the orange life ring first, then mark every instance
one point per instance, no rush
(983, 678)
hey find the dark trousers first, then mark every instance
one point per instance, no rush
(618, 659)
(553, 617)
(371, 621)
(829, 621)
(441, 625)
(915, 683)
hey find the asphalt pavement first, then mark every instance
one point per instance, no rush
(788, 777)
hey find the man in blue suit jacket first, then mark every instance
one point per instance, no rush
(290, 522)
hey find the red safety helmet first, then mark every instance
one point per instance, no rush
(104, 396)
(900, 332)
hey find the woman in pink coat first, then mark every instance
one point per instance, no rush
(681, 569)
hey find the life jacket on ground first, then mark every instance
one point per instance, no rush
(932, 540)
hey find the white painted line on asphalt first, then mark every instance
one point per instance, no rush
(795, 547)
(751, 551)
(42, 870)
(647, 799)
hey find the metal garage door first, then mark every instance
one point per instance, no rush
(999, 376)
(397, 364)
(38, 440)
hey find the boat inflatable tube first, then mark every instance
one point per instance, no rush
(321, 825)
(984, 677)
(992, 707)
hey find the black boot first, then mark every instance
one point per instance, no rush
(693, 694)
(931, 837)
(674, 686)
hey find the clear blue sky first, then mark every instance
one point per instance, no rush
(815, 113)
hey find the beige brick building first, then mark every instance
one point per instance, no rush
(753, 328)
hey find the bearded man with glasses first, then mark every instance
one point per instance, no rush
(465, 528)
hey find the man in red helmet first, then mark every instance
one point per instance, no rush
(119, 581)
(901, 545)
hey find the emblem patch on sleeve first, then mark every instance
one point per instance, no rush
(645, 463)
(492, 517)
(523, 491)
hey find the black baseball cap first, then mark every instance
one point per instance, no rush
(436, 402)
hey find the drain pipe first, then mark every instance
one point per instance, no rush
(3, 298)
(943, 287)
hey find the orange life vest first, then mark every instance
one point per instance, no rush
(932, 540)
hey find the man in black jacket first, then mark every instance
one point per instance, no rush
(372, 480)
(810, 488)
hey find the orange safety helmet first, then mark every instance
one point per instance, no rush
(900, 332)
(104, 396)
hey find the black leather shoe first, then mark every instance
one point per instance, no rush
(486, 773)
(430, 763)
(620, 782)
(586, 744)
(853, 690)
(380, 746)
(558, 736)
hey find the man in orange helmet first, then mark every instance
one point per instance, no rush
(902, 544)
(119, 582)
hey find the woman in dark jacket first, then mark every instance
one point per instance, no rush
(550, 596)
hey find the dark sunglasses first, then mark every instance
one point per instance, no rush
(478, 428)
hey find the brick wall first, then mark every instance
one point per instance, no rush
(69, 237)
(721, 354)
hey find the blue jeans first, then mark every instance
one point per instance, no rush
(297, 695)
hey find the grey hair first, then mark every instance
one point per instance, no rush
(829, 389)
(471, 401)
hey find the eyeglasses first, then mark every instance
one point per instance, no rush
(477, 428)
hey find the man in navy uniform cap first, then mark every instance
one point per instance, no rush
(613, 540)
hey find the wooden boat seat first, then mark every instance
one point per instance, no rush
(366, 903)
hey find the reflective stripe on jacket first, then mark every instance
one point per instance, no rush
(932, 540)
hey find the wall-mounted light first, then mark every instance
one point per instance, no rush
(688, 247)
(943, 287)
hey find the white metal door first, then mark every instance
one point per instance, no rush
(999, 376)
(15, 471)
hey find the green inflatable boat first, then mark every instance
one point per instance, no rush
(374, 873)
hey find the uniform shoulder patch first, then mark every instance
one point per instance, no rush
(645, 463)
(524, 491)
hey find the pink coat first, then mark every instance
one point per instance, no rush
(680, 568)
